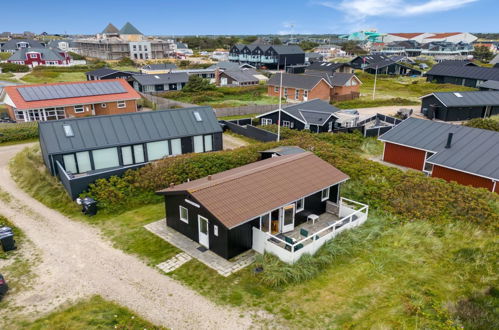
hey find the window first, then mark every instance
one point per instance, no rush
(215, 230)
(265, 223)
(127, 155)
(105, 158)
(103, 105)
(197, 116)
(79, 109)
(176, 147)
(285, 92)
(330, 126)
(70, 163)
(157, 150)
(300, 205)
(121, 104)
(325, 194)
(138, 152)
(134, 47)
(184, 214)
(276, 89)
(68, 130)
(305, 93)
(83, 161)
(297, 94)
(266, 121)
(198, 143)
(33, 55)
(292, 125)
(208, 145)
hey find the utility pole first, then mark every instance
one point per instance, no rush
(280, 103)
(375, 77)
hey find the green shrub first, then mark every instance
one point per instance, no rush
(363, 103)
(483, 123)
(126, 61)
(12, 67)
(18, 132)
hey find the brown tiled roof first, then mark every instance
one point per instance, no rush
(443, 35)
(406, 35)
(246, 192)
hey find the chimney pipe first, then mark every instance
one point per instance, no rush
(172, 185)
(449, 140)
(209, 177)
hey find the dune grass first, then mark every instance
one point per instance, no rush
(43, 76)
(93, 313)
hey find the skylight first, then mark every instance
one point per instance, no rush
(157, 77)
(458, 94)
(68, 130)
(197, 115)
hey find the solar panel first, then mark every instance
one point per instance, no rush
(51, 92)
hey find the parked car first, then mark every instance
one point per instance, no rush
(3, 287)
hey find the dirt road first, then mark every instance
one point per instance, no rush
(77, 262)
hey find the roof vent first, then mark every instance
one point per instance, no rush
(68, 130)
(449, 140)
(209, 177)
(458, 94)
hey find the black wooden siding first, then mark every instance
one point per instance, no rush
(298, 125)
(433, 108)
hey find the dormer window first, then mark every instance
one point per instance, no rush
(33, 55)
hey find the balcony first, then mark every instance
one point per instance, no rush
(309, 237)
(233, 57)
(268, 59)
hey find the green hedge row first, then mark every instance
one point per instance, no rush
(18, 132)
(12, 67)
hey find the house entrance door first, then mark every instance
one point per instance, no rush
(288, 218)
(204, 239)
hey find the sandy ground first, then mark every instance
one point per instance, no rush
(232, 142)
(387, 110)
(76, 262)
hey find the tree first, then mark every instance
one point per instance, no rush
(197, 84)
(483, 123)
(249, 39)
(353, 47)
(308, 45)
(126, 61)
(482, 53)
(276, 41)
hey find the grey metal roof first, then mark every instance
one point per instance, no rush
(326, 66)
(470, 72)
(12, 44)
(240, 75)
(472, 150)
(163, 78)
(495, 60)
(102, 72)
(314, 112)
(279, 49)
(341, 78)
(55, 43)
(467, 99)
(457, 63)
(111, 29)
(52, 92)
(160, 66)
(125, 129)
(128, 28)
(46, 53)
(302, 81)
(224, 65)
(490, 84)
(284, 150)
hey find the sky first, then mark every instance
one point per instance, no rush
(201, 17)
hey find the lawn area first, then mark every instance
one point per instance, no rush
(7, 76)
(392, 272)
(93, 313)
(224, 97)
(395, 90)
(40, 77)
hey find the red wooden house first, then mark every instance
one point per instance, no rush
(40, 56)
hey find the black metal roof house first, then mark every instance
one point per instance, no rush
(330, 67)
(107, 73)
(489, 85)
(83, 150)
(316, 115)
(150, 83)
(455, 106)
(270, 56)
(382, 64)
(470, 76)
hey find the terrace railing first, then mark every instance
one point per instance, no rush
(351, 213)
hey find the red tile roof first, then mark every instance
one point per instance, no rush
(246, 192)
(443, 35)
(406, 35)
(20, 103)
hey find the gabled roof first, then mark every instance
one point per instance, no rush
(128, 28)
(457, 63)
(326, 66)
(160, 66)
(124, 129)
(161, 78)
(225, 65)
(470, 72)
(47, 94)
(284, 150)
(103, 72)
(240, 75)
(490, 84)
(55, 43)
(12, 44)
(301, 81)
(244, 193)
(374, 59)
(46, 53)
(472, 150)
(406, 35)
(279, 49)
(315, 112)
(110, 29)
(467, 99)
(337, 79)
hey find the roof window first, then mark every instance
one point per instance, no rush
(458, 94)
(157, 77)
(68, 130)
(197, 115)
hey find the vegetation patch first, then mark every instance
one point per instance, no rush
(491, 124)
(94, 313)
(10, 132)
(12, 67)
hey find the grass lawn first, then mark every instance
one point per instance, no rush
(40, 77)
(387, 273)
(251, 115)
(224, 97)
(395, 90)
(93, 313)
(7, 76)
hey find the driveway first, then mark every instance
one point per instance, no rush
(76, 261)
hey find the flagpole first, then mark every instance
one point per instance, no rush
(280, 103)
(375, 76)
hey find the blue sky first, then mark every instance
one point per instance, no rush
(174, 17)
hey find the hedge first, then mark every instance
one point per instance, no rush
(18, 132)
(12, 67)
(484, 123)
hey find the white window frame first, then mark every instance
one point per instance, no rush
(79, 106)
(302, 205)
(215, 230)
(180, 207)
(324, 198)
(286, 123)
(266, 121)
(305, 93)
(121, 104)
(33, 55)
(297, 94)
(276, 89)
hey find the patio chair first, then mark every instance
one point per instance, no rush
(299, 246)
(304, 232)
(289, 241)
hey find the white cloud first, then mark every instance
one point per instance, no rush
(358, 10)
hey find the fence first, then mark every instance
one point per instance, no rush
(377, 130)
(251, 132)
(346, 97)
(162, 103)
(246, 110)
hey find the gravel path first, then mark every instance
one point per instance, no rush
(232, 142)
(77, 262)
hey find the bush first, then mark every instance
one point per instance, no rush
(363, 103)
(483, 123)
(198, 84)
(76, 56)
(18, 132)
(11, 67)
(126, 61)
